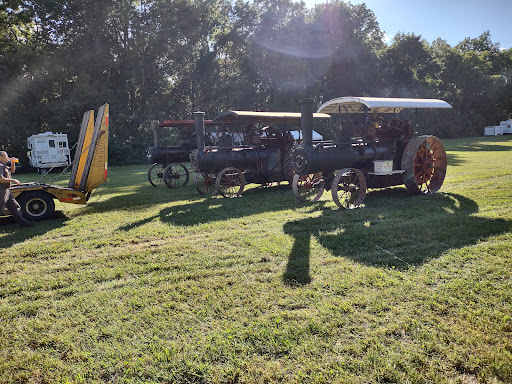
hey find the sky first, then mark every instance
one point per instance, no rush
(451, 20)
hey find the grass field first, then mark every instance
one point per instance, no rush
(152, 285)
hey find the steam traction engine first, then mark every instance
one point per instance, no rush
(378, 151)
(167, 161)
(251, 147)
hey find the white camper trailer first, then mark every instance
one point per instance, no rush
(493, 130)
(506, 127)
(48, 150)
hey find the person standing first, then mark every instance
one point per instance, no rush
(8, 165)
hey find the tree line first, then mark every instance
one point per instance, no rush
(160, 59)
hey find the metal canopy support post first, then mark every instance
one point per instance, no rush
(199, 123)
(365, 126)
(306, 121)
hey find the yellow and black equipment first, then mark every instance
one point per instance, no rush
(89, 170)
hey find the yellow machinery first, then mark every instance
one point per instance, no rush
(88, 172)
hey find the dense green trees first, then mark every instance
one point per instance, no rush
(154, 59)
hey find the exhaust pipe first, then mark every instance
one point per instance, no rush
(306, 122)
(156, 133)
(199, 123)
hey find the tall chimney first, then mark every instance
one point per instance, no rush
(156, 133)
(306, 122)
(199, 123)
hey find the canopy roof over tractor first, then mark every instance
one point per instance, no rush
(377, 104)
(263, 117)
(180, 123)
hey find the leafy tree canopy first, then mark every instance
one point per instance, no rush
(159, 59)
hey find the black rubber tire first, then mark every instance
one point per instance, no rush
(36, 205)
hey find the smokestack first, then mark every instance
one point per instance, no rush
(306, 122)
(199, 123)
(156, 133)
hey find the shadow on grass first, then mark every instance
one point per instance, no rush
(11, 233)
(147, 195)
(141, 197)
(454, 160)
(464, 146)
(482, 147)
(212, 209)
(396, 229)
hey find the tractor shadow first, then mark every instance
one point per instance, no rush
(210, 209)
(11, 233)
(482, 147)
(145, 196)
(394, 230)
(455, 159)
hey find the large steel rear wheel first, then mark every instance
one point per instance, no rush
(308, 187)
(156, 175)
(205, 183)
(348, 188)
(424, 163)
(176, 175)
(230, 182)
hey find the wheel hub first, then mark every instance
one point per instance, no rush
(424, 162)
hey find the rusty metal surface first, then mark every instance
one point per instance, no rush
(424, 162)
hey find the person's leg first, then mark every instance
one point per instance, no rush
(15, 209)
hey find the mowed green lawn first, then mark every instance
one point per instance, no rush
(153, 285)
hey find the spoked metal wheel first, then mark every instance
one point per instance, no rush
(156, 175)
(230, 182)
(348, 188)
(205, 183)
(287, 166)
(308, 187)
(176, 175)
(424, 162)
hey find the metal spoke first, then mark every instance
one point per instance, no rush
(424, 163)
(308, 187)
(230, 182)
(349, 188)
(176, 175)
